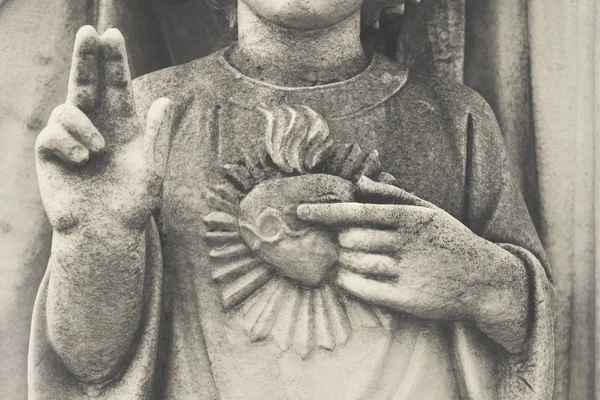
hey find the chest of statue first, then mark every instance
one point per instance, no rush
(264, 304)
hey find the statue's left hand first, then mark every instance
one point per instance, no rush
(414, 257)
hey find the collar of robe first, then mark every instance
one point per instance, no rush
(381, 80)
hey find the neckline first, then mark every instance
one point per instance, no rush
(223, 59)
(377, 83)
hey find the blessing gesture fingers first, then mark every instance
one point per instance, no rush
(96, 162)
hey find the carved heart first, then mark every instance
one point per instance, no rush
(269, 225)
(306, 258)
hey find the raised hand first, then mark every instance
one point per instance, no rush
(97, 167)
(411, 256)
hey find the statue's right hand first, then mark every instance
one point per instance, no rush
(96, 165)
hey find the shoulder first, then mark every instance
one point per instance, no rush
(445, 108)
(178, 76)
(179, 83)
(457, 107)
(453, 97)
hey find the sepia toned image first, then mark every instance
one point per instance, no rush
(299, 199)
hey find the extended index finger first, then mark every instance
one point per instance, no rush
(365, 214)
(351, 214)
(83, 91)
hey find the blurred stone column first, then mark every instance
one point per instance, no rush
(564, 48)
(497, 66)
(432, 38)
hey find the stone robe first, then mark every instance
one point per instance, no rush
(439, 139)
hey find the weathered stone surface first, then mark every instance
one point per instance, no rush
(432, 38)
(307, 180)
(555, 128)
(497, 66)
(36, 49)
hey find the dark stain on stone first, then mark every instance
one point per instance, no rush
(5, 227)
(35, 123)
(42, 59)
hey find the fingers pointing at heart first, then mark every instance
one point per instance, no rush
(385, 241)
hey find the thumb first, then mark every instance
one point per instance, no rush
(377, 192)
(158, 134)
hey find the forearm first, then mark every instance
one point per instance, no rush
(95, 294)
(500, 296)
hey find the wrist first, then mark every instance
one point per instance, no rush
(99, 242)
(500, 307)
(98, 225)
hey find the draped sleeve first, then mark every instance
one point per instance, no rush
(495, 210)
(49, 379)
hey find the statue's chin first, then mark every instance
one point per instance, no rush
(305, 15)
(306, 259)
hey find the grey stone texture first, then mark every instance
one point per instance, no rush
(315, 194)
(37, 48)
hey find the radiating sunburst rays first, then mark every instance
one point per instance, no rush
(273, 305)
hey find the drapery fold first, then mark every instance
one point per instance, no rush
(536, 62)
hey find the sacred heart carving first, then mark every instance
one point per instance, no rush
(271, 266)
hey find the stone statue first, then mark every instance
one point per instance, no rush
(293, 218)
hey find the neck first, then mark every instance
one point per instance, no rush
(291, 57)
